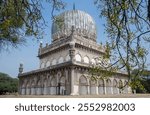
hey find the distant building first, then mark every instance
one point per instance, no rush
(65, 63)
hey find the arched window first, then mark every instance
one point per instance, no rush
(67, 57)
(54, 62)
(93, 61)
(42, 65)
(47, 63)
(61, 60)
(78, 57)
(86, 59)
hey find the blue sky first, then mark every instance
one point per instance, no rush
(9, 61)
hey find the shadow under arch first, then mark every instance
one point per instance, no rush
(83, 85)
(93, 85)
(101, 86)
(33, 91)
(115, 87)
(53, 86)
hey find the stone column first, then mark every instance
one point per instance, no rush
(111, 88)
(96, 89)
(105, 92)
(72, 80)
(88, 89)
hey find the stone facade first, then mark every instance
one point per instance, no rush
(65, 64)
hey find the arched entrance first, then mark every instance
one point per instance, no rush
(23, 89)
(28, 88)
(83, 86)
(39, 89)
(101, 86)
(108, 86)
(115, 87)
(53, 86)
(93, 84)
(62, 86)
(45, 89)
(120, 86)
(126, 87)
(33, 87)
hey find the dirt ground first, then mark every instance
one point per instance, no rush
(78, 96)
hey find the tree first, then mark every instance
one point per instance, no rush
(22, 18)
(127, 26)
(8, 84)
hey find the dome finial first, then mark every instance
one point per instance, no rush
(74, 7)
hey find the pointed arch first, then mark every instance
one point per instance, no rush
(67, 58)
(86, 60)
(54, 62)
(60, 60)
(47, 64)
(23, 87)
(42, 65)
(78, 57)
(33, 87)
(28, 87)
(93, 62)
(120, 86)
(93, 85)
(23, 84)
(62, 85)
(83, 85)
(115, 87)
(45, 88)
(38, 88)
(126, 86)
(53, 86)
(101, 86)
(108, 86)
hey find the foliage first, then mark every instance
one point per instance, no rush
(127, 26)
(22, 18)
(146, 84)
(8, 84)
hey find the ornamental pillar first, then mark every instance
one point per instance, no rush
(72, 80)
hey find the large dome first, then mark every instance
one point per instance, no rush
(82, 22)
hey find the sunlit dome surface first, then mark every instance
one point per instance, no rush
(83, 24)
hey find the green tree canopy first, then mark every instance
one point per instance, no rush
(22, 18)
(8, 84)
(128, 29)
